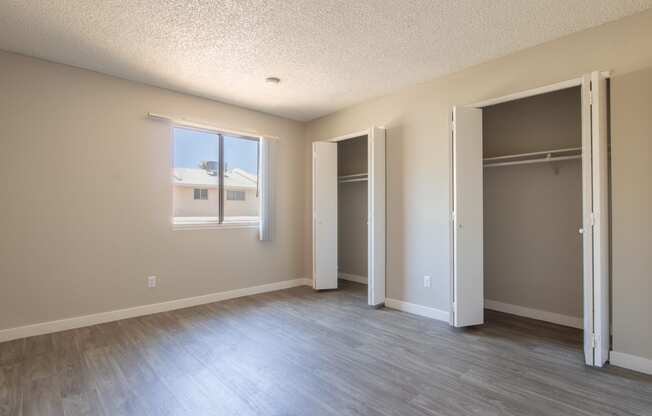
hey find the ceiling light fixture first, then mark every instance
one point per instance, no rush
(273, 80)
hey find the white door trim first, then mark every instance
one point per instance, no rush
(575, 82)
(348, 136)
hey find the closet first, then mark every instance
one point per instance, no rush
(348, 207)
(352, 209)
(530, 208)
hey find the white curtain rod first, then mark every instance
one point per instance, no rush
(206, 126)
(525, 162)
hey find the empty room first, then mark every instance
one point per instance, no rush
(428, 208)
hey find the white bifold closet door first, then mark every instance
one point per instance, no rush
(324, 215)
(468, 268)
(467, 221)
(595, 228)
(376, 217)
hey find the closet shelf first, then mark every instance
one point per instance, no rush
(358, 177)
(534, 157)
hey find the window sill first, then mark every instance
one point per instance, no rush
(212, 225)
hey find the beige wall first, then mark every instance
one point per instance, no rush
(631, 155)
(352, 156)
(352, 238)
(531, 242)
(418, 182)
(532, 250)
(542, 122)
(87, 198)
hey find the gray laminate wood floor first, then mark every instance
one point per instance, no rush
(298, 352)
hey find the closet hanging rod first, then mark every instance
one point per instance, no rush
(525, 162)
(543, 152)
(354, 176)
(353, 180)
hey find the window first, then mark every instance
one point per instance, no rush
(235, 195)
(241, 175)
(215, 178)
(200, 194)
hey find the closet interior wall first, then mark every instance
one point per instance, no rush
(532, 212)
(352, 208)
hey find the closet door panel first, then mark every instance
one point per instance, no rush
(601, 218)
(468, 273)
(595, 231)
(324, 221)
(587, 226)
(376, 216)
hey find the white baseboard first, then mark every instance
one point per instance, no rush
(415, 309)
(631, 362)
(353, 278)
(98, 318)
(541, 315)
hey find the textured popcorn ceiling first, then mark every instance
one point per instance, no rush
(328, 53)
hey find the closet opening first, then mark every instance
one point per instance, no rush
(532, 207)
(352, 209)
(348, 176)
(530, 210)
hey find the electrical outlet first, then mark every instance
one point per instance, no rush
(426, 281)
(151, 281)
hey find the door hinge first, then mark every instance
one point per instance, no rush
(591, 219)
(593, 341)
(453, 216)
(590, 97)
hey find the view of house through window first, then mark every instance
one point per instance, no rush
(240, 178)
(214, 187)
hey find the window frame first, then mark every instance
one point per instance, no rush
(221, 223)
